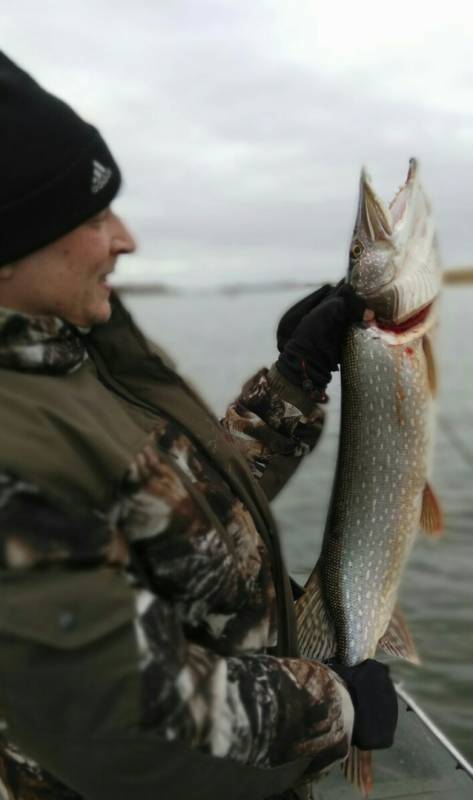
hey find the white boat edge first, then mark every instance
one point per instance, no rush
(462, 762)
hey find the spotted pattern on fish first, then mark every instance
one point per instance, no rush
(383, 460)
(388, 382)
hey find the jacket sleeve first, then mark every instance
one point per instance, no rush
(139, 672)
(274, 424)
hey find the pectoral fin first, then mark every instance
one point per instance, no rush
(431, 518)
(397, 639)
(316, 631)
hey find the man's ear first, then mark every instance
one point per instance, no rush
(6, 272)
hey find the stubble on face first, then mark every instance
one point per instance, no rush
(68, 278)
(84, 296)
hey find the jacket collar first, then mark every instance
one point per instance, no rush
(39, 343)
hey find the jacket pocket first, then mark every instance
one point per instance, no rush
(70, 661)
(65, 609)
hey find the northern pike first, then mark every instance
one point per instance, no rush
(381, 493)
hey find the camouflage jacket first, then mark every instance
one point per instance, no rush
(202, 593)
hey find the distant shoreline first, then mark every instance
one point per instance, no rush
(450, 276)
(230, 290)
(460, 275)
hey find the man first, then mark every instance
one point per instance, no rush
(146, 625)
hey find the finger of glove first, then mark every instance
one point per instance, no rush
(318, 338)
(375, 725)
(376, 707)
(375, 702)
(293, 316)
(326, 321)
(355, 304)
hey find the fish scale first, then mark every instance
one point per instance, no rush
(384, 453)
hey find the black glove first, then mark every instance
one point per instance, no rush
(312, 350)
(375, 702)
(290, 320)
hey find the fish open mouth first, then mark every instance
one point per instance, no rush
(378, 221)
(401, 327)
(399, 204)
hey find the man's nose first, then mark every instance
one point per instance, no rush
(122, 240)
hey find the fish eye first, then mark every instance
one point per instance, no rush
(356, 249)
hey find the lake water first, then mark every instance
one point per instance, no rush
(218, 341)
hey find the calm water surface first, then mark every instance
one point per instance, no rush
(218, 341)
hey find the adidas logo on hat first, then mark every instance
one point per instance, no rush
(100, 176)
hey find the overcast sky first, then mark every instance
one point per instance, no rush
(241, 125)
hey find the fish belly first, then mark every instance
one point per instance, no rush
(382, 468)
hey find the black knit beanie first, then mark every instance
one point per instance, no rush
(55, 169)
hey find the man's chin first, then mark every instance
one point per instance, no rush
(98, 316)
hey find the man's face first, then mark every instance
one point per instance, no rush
(68, 278)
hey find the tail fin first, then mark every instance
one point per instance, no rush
(358, 770)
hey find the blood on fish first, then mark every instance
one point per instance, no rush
(409, 323)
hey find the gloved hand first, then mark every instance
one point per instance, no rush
(375, 702)
(310, 335)
(291, 318)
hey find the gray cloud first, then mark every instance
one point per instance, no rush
(238, 157)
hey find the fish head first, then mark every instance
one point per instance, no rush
(394, 263)
(372, 250)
